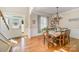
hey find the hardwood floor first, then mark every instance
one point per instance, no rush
(35, 44)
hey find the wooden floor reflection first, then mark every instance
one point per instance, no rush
(35, 44)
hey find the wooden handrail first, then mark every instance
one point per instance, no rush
(4, 19)
(3, 35)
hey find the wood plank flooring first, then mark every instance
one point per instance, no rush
(35, 44)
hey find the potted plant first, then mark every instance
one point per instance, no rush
(45, 29)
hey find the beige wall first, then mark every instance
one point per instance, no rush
(72, 25)
(64, 22)
(34, 26)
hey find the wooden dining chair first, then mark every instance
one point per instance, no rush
(61, 38)
(45, 35)
(67, 36)
(49, 39)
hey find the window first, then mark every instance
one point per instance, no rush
(42, 22)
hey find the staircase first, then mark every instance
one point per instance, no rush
(5, 45)
(6, 34)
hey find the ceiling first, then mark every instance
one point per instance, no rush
(52, 10)
(19, 10)
(46, 10)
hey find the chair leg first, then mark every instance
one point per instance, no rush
(48, 44)
(63, 42)
(60, 43)
(69, 40)
(44, 41)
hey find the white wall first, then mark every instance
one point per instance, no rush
(4, 30)
(72, 25)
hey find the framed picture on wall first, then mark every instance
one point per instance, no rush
(15, 23)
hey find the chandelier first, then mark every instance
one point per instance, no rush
(57, 17)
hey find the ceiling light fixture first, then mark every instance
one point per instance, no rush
(57, 17)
